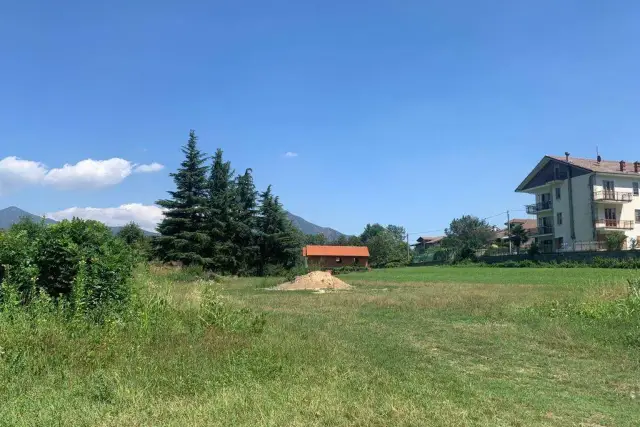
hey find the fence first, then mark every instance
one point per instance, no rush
(580, 251)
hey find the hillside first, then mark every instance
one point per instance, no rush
(309, 228)
(12, 215)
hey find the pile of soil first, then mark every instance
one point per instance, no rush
(314, 280)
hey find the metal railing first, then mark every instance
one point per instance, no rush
(614, 223)
(583, 246)
(613, 196)
(546, 229)
(537, 207)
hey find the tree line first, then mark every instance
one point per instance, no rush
(217, 220)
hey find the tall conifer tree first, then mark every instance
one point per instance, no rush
(246, 238)
(278, 241)
(222, 208)
(182, 231)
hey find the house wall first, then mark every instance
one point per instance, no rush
(585, 210)
(582, 214)
(624, 211)
(327, 261)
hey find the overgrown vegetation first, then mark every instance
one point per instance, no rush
(77, 264)
(440, 346)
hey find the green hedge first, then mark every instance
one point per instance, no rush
(597, 262)
(79, 262)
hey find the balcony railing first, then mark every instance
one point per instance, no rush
(613, 196)
(545, 229)
(538, 207)
(615, 223)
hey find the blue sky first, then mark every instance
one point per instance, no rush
(404, 112)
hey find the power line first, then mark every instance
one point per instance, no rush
(483, 219)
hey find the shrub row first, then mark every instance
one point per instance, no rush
(78, 262)
(597, 262)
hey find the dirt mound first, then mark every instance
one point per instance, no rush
(314, 280)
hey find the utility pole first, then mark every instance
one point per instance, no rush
(408, 249)
(509, 232)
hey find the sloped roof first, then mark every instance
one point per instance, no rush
(607, 166)
(589, 165)
(527, 223)
(337, 251)
(429, 239)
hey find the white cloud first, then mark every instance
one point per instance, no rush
(89, 174)
(290, 154)
(153, 167)
(146, 216)
(16, 173)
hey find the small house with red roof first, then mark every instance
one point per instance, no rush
(336, 256)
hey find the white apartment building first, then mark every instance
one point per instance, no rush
(579, 201)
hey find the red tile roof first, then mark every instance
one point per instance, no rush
(527, 224)
(316, 250)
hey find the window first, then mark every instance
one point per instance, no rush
(559, 218)
(610, 214)
(356, 261)
(558, 193)
(636, 191)
(339, 260)
(637, 215)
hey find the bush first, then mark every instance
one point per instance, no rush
(347, 269)
(77, 262)
(442, 255)
(615, 241)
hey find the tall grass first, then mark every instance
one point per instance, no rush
(191, 351)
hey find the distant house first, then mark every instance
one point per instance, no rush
(425, 242)
(529, 225)
(336, 256)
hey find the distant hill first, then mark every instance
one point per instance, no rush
(308, 228)
(13, 215)
(116, 230)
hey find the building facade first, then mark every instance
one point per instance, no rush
(579, 201)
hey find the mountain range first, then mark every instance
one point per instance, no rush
(12, 215)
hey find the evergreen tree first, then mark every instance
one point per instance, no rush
(246, 239)
(222, 211)
(182, 231)
(280, 245)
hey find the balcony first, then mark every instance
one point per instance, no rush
(612, 196)
(541, 231)
(614, 224)
(539, 207)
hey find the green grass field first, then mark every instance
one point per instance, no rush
(428, 346)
